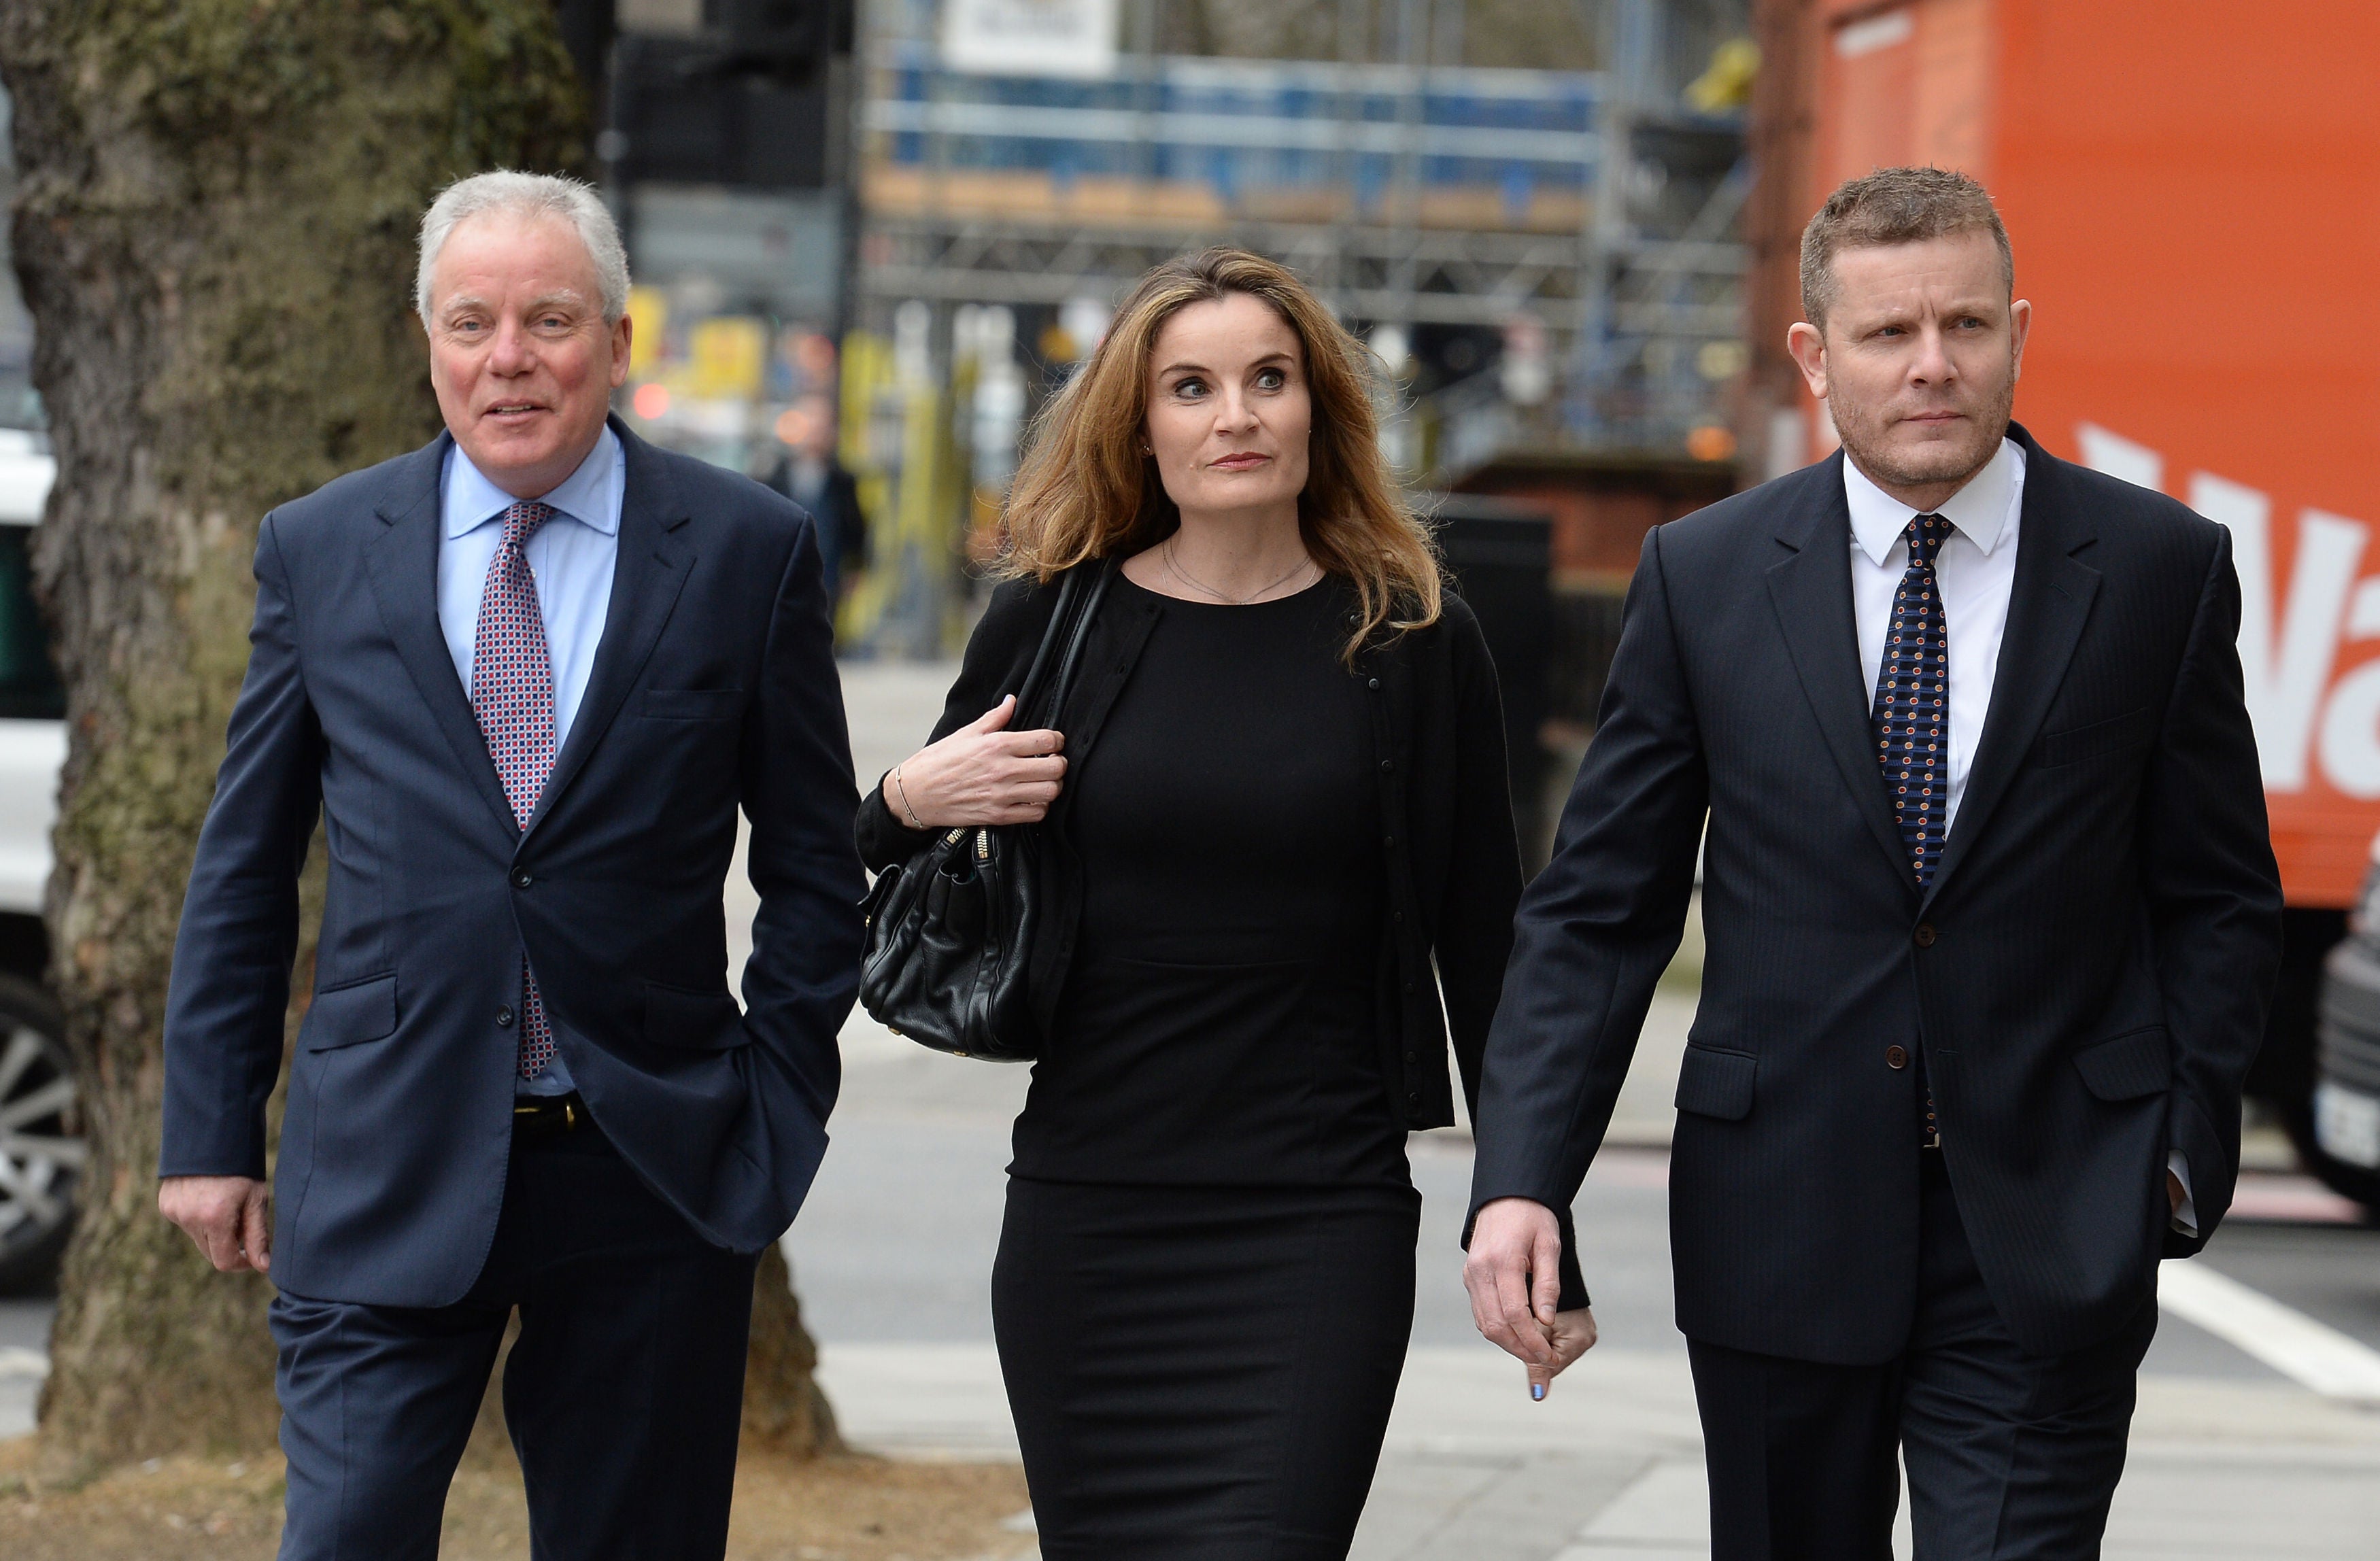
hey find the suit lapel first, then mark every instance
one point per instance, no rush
(1811, 589)
(2048, 603)
(655, 561)
(401, 563)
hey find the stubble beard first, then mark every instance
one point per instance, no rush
(1862, 429)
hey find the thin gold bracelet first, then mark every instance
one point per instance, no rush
(915, 822)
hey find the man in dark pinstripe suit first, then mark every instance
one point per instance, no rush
(1991, 914)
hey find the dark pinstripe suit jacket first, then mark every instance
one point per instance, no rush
(2087, 973)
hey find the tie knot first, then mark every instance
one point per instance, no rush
(522, 520)
(1926, 535)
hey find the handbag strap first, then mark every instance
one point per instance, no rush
(1043, 694)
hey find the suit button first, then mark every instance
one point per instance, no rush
(521, 878)
(504, 1017)
(1387, 765)
(1896, 1056)
(1412, 1056)
(1926, 935)
(1372, 683)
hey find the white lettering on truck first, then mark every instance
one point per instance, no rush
(2287, 664)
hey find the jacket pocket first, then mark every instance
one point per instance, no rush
(692, 1020)
(345, 1016)
(692, 704)
(2101, 739)
(1716, 1082)
(2127, 1067)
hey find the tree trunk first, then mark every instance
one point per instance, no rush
(785, 1411)
(213, 229)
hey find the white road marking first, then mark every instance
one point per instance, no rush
(14, 1361)
(2312, 1353)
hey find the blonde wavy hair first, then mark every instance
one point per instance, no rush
(1084, 490)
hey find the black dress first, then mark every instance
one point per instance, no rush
(1205, 1283)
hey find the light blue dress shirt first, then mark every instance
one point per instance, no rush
(572, 557)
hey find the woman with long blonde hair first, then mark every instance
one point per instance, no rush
(1275, 828)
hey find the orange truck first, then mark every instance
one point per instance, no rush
(2193, 188)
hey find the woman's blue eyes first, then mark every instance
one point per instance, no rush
(1269, 379)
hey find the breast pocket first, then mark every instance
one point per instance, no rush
(692, 704)
(2111, 738)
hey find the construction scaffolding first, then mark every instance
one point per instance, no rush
(1544, 259)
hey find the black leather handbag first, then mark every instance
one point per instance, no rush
(950, 931)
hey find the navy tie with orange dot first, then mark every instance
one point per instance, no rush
(1912, 715)
(1912, 711)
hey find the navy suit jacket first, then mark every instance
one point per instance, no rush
(714, 687)
(2087, 973)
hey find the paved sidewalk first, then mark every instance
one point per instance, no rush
(1610, 1467)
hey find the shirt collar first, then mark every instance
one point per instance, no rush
(589, 495)
(1985, 511)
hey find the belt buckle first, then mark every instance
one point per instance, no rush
(540, 1111)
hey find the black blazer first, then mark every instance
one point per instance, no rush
(1453, 867)
(2087, 974)
(713, 688)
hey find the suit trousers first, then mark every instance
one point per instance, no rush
(623, 1393)
(2012, 1456)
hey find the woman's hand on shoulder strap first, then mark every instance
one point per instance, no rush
(982, 773)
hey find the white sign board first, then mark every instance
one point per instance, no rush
(1076, 38)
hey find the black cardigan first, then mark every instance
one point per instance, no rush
(1453, 866)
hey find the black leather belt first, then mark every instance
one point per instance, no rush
(546, 1115)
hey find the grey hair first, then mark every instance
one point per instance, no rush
(527, 195)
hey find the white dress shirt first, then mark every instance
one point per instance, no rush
(572, 557)
(1975, 571)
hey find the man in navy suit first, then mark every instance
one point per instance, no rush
(524, 677)
(1991, 919)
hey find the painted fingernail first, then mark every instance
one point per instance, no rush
(1536, 1392)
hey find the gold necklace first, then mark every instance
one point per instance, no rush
(1179, 573)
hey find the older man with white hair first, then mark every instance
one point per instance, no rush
(526, 677)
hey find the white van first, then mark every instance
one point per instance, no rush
(41, 1151)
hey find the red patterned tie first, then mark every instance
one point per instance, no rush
(512, 693)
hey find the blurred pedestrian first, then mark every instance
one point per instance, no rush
(524, 677)
(1274, 819)
(808, 472)
(1991, 917)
